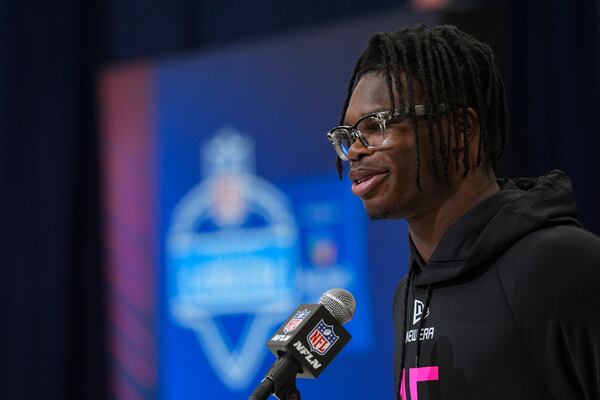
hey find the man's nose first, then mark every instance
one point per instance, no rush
(358, 150)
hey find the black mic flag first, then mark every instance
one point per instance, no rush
(307, 342)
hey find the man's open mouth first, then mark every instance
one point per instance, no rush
(365, 182)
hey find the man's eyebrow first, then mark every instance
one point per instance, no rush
(375, 110)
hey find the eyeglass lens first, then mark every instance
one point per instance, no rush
(372, 130)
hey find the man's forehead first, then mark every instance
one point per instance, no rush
(371, 94)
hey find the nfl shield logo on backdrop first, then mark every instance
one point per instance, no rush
(221, 257)
(322, 338)
(294, 322)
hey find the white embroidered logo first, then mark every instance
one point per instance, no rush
(418, 311)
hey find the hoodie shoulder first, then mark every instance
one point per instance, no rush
(552, 256)
(550, 278)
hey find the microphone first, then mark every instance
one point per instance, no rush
(307, 342)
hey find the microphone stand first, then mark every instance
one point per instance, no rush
(280, 379)
(288, 391)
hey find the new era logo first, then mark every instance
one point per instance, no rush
(418, 311)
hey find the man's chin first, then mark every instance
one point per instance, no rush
(376, 213)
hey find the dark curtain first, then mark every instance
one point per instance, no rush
(554, 95)
(50, 213)
(49, 210)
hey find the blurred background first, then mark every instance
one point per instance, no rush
(106, 111)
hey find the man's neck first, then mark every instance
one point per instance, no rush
(428, 228)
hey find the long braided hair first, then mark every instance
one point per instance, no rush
(455, 71)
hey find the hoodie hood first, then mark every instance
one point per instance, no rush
(523, 205)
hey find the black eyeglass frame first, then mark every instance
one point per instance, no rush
(384, 117)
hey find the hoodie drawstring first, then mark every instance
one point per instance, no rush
(403, 336)
(422, 323)
(404, 329)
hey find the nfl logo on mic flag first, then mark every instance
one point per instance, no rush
(294, 322)
(322, 337)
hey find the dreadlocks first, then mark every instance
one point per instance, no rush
(455, 71)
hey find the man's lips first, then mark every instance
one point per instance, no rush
(365, 180)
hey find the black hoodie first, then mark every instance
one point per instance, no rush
(511, 299)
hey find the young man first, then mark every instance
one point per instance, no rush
(501, 300)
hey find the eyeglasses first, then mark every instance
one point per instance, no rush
(370, 130)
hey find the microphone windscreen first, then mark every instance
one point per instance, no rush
(340, 303)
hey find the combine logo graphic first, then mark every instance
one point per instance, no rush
(232, 250)
(294, 322)
(322, 338)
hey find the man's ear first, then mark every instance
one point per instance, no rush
(462, 128)
(467, 127)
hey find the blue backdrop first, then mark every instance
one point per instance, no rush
(253, 219)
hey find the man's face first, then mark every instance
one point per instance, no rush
(384, 179)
